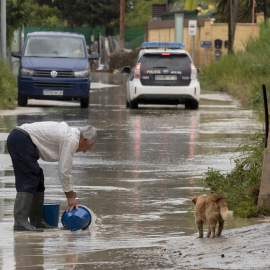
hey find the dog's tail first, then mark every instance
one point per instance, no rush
(226, 214)
(224, 211)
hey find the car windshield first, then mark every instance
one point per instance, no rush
(172, 61)
(55, 47)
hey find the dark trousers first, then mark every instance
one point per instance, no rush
(28, 175)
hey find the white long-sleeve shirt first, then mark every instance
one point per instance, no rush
(56, 142)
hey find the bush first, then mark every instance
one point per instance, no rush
(8, 86)
(246, 209)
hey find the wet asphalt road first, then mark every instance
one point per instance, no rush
(137, 181)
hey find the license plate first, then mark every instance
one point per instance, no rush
(166, 77)
(53, 92)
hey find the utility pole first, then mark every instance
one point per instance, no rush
(229, 10)
(253, 17)
(145, 31)
(122, 23)
(265, 2)
(3, 30)
(167, 5)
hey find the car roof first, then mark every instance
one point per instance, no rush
(162, 51)
(159, 51)
(54, 34)
(167, 45)
(162, 47)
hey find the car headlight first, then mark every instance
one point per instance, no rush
(81, 74)
(27, 72)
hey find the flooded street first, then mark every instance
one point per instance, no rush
(138, 180)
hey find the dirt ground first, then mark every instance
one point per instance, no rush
(242, 248)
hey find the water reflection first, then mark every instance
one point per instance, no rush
(49, 250)
(23, 253)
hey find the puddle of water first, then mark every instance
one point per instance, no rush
(138, 181)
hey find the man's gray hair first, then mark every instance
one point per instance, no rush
(88, 132)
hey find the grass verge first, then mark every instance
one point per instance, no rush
(242, 75)
(8, 87)
(241, 186)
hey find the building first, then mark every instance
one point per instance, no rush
(207, 32)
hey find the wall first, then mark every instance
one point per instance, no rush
(163, 31)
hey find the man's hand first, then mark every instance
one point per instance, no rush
(73, 201)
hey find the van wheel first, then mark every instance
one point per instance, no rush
(22, 101)
(84, 102)
(133, 104)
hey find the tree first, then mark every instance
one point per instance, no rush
(103, 13)
(190, 5)
(49, 3)
(75, 12)
(140, 12)
(242, 10)
(18, 15)
(45, 16)
(72, 11)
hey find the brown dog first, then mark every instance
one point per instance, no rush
(211, 209)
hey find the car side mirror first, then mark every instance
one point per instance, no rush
(93, 56)
(125, 69)
(16, 54)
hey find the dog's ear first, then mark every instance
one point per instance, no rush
(215, 197)
(194, 199)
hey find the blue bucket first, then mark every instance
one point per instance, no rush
(76, 219)
(51, 213)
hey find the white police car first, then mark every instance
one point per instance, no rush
(164, 73)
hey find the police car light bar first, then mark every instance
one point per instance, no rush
(167, 45)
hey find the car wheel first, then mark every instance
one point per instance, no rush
(192, 104)
(84, 102)
(22, 101)
(133, 104)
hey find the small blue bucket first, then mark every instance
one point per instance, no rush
(51, 213)
(76, 219)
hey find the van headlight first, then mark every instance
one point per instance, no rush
(81, 74)
(27, 72)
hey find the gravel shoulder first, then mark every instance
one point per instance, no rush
(241, 248)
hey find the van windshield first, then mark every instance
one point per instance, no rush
(55, 47)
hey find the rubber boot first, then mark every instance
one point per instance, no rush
(36, 212)
(22, 207)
